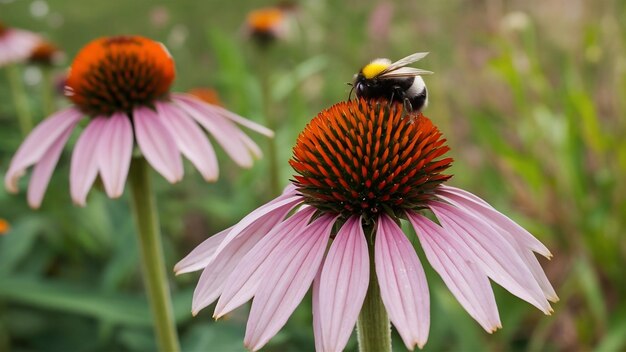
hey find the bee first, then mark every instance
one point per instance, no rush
(383, 79)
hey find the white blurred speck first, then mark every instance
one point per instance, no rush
(515, 21)
(32, 75)
(39, 8)
(177, 36)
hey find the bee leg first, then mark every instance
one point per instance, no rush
(409, 111)
(407, 105)
(393, 92)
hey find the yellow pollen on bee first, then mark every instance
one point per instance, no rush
(374, 68)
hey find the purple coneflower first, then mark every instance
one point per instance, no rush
(122, 84)
(16, 45)
(361, 169)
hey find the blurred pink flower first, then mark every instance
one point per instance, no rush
(356, 179)
(16, 45)
(122, 85)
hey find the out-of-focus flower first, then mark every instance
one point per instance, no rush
(361, 169)
(267, 25)
(47, 54)
(5, 227)
(159, 16)
(16, 45)
(379, 22)
(122, 84)
(207, 95)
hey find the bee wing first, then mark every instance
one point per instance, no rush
(404, 72)
(405, 61)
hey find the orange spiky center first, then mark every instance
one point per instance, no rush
(3, 28)
(118, 73)
(366, 157)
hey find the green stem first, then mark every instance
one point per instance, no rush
(20, 99)
(155, 276)
(373, 327)
(270, 121)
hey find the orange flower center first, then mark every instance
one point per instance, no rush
(4, 226)
(366, 157)
(118, 73)
(3, 28)
(264, 20)
(44, 53)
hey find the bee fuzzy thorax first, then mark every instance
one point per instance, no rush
(375, 67)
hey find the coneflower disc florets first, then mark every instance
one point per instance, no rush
(118, 73)
(365, 157)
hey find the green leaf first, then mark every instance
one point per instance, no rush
(288, 82)
(16, 244)
(114, 307)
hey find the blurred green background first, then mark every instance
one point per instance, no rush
(530, 94)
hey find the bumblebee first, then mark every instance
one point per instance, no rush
(383, 79)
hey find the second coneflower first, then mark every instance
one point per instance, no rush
(362, 168)
(123, 85)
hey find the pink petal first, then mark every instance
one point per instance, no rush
(539, 275)
(520, 239)
(403, 286)
(219, 111)
(202, 255)
(38, 142)
(190, 139)
(496, 257)
(225, 132)
(287, 199)
(16, 45)
(157, 144)
(114, 153)
(479, 207)
(462, 276)
(344, 282)
(251, 145)
(294, 265)
(317, 320)
(242, 283)
(215, 274)
(43, 170)
(84, 167)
